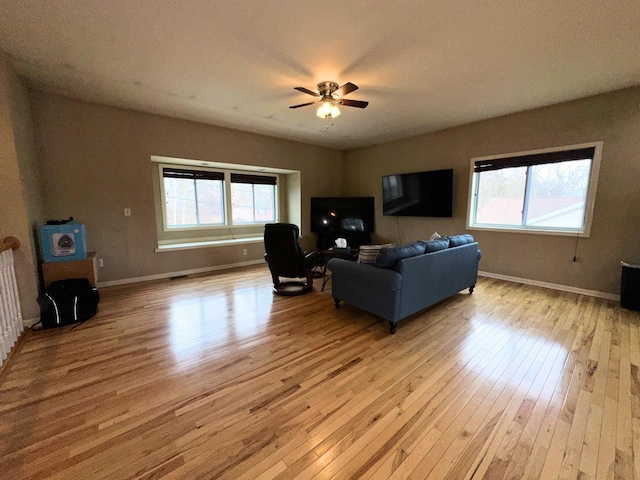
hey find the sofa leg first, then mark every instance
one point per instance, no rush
(336, 301)
(471, 288)
(392, 327)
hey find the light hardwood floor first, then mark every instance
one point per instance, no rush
(215, 377)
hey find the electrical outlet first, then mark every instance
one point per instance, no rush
(127, 212)
(244, 251)
(100, 262)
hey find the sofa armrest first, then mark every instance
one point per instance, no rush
(373, 289)
(364, 276)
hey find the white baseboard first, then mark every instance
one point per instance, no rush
(553, 286)
(180, 273)
(27, 322)
(508, 278)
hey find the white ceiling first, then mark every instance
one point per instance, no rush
(422, 65)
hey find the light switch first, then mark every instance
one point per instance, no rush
(127, 212)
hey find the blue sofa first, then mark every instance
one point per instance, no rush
(404, 281)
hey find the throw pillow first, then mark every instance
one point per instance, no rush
(435, 236)
(368, 253)
(436, 245)
(457, 240)
(389, 256)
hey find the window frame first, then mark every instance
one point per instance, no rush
(226, 192)
(589, 203)
(252, 181)
(198, 226)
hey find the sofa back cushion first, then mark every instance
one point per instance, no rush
(457, 240)
(436, 245)
(389, 256)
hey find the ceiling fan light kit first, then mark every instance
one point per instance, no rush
(330, 97)
(328, 109)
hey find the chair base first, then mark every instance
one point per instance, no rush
(291, 289)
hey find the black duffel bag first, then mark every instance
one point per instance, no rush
(68, 301)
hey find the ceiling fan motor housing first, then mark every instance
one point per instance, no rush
(331, 94)
(326, 89)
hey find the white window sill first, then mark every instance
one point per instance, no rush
(172, 247)
(564, 233)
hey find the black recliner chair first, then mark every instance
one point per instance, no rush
(286, 259)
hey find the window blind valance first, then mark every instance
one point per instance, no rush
(534, 159)
(253, 179)
(192, 174)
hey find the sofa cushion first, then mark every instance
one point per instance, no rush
(368, 253)
(436, 245)
(457, 240)
(389, 256)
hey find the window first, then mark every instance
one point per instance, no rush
(193, 197)
(253, 198)
(201, 198)
(545, 191)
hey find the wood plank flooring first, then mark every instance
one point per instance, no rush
(215, 377)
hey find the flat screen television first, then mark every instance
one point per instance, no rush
(342, 214)
(421, 194)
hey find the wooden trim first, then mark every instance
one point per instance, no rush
(9, 243)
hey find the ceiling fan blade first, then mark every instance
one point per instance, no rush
(345, 89)
(307, 91)
(303, 104)
(353, 103)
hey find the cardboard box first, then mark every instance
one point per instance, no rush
(88, 268)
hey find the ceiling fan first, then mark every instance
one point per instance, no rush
(330, 97)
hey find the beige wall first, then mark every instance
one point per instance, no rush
(613, 118)
(20, 196)
(95, 161)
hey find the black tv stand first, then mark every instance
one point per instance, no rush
(327, 239)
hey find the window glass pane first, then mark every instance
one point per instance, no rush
(264, 203)
(210, 202)
(252, 203)
(558, 194)
(180, 202)
(500, 196)
(242, 202)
